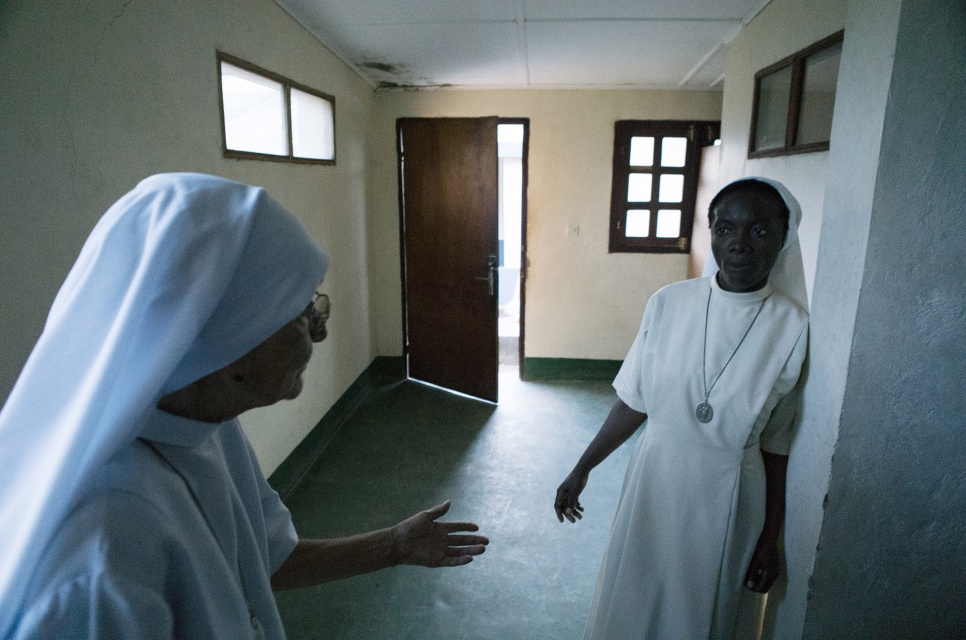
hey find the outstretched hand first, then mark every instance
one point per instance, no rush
(567, 505)
(420, 540)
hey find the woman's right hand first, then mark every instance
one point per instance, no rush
(567, 504)
(620, 424)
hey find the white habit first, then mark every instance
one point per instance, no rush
(693, 502)
(139, 558)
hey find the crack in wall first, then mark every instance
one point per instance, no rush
(72, 83)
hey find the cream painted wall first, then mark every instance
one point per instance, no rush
(708, 185)
(125, 90)
(781, 29)
(581, 302)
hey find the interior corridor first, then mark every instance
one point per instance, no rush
(410, 446)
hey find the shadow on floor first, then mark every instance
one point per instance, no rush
(409, 447)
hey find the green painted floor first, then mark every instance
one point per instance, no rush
(410, 446)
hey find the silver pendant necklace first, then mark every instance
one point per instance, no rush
(704, 412)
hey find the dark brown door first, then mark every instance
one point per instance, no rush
(448, 182)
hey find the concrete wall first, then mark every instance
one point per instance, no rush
(581, 302)
(98, 95)
(892, 551)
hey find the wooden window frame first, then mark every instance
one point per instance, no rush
(287, 86)
(797, 62)
(700, 133)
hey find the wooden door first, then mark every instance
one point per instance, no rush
(448, 198)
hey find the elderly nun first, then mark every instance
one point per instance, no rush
(132, 504)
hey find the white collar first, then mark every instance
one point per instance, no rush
(168, 428)
(739, 297)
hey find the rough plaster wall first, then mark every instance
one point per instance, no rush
(98, 95)
(893, 545)
(853, 164)
(581, 302)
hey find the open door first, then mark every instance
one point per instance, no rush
(448, 201)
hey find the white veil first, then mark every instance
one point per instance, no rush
(181, 276)
(788, 274)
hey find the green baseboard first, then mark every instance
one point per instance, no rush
(569, 369)
(381, 371)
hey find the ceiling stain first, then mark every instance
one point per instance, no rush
(385, 67)
(391, 75)
(425, 85)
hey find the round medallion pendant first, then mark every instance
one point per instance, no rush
(704, 412)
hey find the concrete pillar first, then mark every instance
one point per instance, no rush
(889, 347)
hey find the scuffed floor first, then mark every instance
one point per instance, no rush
(411, 446)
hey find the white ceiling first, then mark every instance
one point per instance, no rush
(661, 44)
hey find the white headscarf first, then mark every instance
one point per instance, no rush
(788, 274)
(182, 276)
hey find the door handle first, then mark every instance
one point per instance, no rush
(490, 276)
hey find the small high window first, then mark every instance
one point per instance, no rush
(266, 116)
(655, 182)
(794, 99)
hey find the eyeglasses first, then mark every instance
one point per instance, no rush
(318, 316)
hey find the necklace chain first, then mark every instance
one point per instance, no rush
(704, 351)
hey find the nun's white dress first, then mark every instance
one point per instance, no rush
(178, 537)
(693, 502)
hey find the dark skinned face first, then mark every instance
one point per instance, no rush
(747, 234)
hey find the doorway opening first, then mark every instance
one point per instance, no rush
(512, 144)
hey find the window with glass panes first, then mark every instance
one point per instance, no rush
(266, 116)
(794, 101)
(655, 182)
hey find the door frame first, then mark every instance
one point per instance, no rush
(523, 232)
(400, 184)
